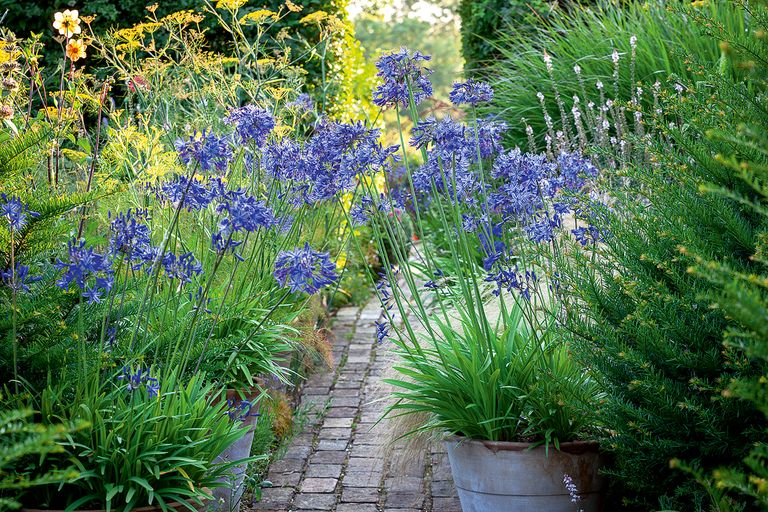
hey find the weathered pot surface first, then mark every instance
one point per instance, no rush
(493, 476)
(228, 498)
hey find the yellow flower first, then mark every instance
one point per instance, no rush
(257, 17)
(67, 22)
(341, 261)
(292, 6)
(315, 17)
(230, 4)
(380, 181)
(346, 201)
(76, 49)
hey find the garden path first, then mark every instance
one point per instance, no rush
(344, 462)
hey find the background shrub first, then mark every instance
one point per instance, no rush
(652, 329)
(27, 17)
(587, 36)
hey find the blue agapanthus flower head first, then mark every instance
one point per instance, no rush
(15, 212)
(20, 280)
(141, 378)
(402, 74)
(130, 236)
(486, 138)
(471, 92)
(446, 137)
(305, 270)
(246, 213)
(575, 170)
(252, 124)
(191, 193)
(88, 270)
(181, 268)
(206, 150)
(282, 160)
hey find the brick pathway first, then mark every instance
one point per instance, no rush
(345, 463)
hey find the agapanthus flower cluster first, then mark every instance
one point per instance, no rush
(141, 378)
(403, 76)
(86, 269)
(191, 193)
(329, 162)
(15, 212)
(244, 213)
(305, 270)
(282, 160)
(471, 92)
(19, 280)
(205, 150)
(181, 268)
(130, 236)
(252, 124)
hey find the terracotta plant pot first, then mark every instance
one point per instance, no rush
(154, 508)
(511, 477)
(228, 497)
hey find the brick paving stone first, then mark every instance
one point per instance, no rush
(345, 392)
(328, 457)
(342, 412)
(360, 495)
(362, 479)
(403, 484)
(400, 499)
(335, 433)
(356, 507)
(338, 423)
(365, 464)
(284, 479)
(324, 471)
(318, 485)
(315, 501)
(345, 401)
(332, 444)
(287, 465)
(273, 498)
(451, 504)
(443, 488)
(297, 452)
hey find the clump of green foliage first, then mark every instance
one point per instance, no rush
(22, 441)
(651, 42)
(645, 320)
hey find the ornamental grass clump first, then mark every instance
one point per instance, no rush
(473, 309)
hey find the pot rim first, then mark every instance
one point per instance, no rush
(574, 447)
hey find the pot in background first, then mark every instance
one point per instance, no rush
(228, 498)
(493, 476)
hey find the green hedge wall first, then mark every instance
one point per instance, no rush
(483, 22)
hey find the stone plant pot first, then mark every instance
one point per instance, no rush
(175, 506)
(511, 477)
(228, 498)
